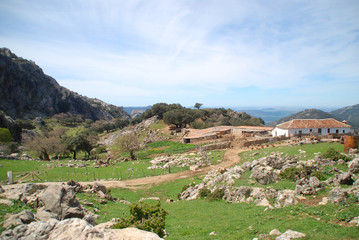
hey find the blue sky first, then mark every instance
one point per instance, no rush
(219, 53)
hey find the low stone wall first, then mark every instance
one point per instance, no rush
(214, 146)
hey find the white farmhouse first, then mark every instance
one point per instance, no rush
(311, 126)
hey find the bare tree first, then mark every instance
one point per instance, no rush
(128, 143)
(48, 143)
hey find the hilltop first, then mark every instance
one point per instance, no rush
(306, 114)
(350, 114)
(27, 92)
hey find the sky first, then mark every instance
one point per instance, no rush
(218, 53)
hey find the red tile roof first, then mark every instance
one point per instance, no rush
(313, 123)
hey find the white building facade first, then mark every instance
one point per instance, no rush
(311, 127)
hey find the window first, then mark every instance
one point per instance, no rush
(328, 130)
(343, 131)
(311, 130)
(319, 130)
(337, 131)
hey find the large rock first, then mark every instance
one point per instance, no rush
(192, 192)
(99, 187)
(286, 198)
(344, 178)
(308, 186)
(290, 234)
(74, 229)
(263, 175)
(354, 166)
(62, 202)
(237, 194)
(338, 195)
(12, 220)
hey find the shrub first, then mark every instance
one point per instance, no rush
(294, 173)
(146, 217)
(216, 195)
(204, 192)
(290, 173)
(334, 155)
(5, 135)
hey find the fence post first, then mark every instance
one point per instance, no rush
(9, 177)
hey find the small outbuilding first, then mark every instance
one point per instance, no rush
(316, 127)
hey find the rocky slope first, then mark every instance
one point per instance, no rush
(27, 92)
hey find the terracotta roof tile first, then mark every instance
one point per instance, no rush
(313, 123)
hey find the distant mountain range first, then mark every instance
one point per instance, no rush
(350, 114)
(26, 92)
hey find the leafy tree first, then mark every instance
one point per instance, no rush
(179, 117)
(198, 105)
(77, 143)
(128, 143)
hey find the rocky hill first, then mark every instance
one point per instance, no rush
(306, 114)
(27, 92)
(350, 114)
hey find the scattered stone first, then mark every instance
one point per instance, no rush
(286, 198)
(338, 195)
(99, 187)
(6, 202)
(324, 201)
(355, 221)
(168, 201)
(275, 232)
(125, 202)
(11, 220)
(308, 186)
(150, 198)
(289, 234)
(344, 178)
(263, 175)
(1, 189)
(101, 201)
(354, 166)
(213, 234)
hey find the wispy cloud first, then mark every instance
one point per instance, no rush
(142, 52)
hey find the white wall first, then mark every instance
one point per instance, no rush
(287, 132)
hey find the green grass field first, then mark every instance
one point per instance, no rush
(55, 171)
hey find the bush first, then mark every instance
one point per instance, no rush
(334, 155)
(146, 217)
(290, 173)
(295, 174)
(5, 135)
(204, 192)
(216, 195)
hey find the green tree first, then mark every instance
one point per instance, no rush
(198, 105)
(179, 117)
(77, 143)
(128, 143)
